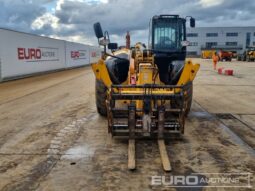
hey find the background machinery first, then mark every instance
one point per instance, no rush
(207, 54)
(146, 92)
(225, 55)
(248, 55)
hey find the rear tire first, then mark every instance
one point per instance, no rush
(101, 95)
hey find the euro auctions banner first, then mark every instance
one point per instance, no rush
(24, 54)
(76, 54)
(38, 54)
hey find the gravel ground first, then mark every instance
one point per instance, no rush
(51, 137)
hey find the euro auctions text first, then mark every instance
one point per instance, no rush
(230, 180)
(38, 54)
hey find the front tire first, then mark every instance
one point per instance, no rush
(187, 101)
(101, 96)
(189, 98)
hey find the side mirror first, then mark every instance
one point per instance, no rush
(112, 46)
(104, 42)
(192, 22)
(98, 30)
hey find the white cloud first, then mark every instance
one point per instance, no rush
(75, 38)
(89, 2)
(210, 3)
(73, 19)
(59, 3)
(93, 1)
(45, 19)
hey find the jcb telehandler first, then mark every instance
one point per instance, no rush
(146, 92)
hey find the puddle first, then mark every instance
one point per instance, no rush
(78, 152)
(199, 114)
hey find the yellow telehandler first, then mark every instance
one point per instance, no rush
(146, 92)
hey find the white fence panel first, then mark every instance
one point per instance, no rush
(23, 54)
(76, 54)
(95, 54)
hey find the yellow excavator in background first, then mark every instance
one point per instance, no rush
(146, 92)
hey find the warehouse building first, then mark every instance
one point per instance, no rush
(234, 39)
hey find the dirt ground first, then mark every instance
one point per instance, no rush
(51, 137)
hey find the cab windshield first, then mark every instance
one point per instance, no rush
(168, 35)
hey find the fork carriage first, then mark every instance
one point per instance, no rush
(159, 110)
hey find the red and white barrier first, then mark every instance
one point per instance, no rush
(228, 72)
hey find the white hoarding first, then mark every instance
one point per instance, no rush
(95, 54)
(76, 54)
(24, 54)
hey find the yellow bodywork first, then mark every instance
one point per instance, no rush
(147, 75)
(101, 72)
(189, 73)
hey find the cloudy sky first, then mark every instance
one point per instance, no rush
(73, 19)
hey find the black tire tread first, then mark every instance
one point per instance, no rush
(189, 100)
(101, 95)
